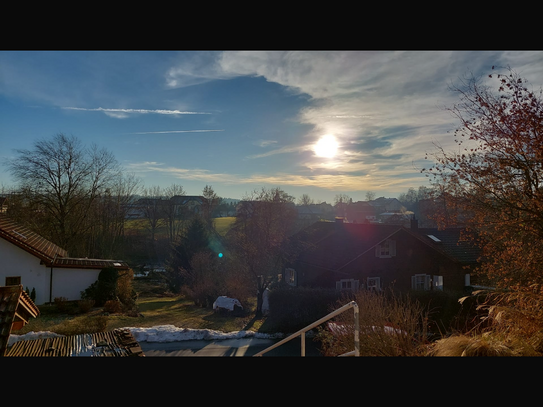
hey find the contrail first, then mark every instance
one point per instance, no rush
(175, 131)
(142, 111)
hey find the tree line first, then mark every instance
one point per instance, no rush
(492, 186)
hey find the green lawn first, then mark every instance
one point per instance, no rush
(223, 224)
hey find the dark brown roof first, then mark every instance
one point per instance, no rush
(116, 343)
(68, 262)
(450, 242)
(332, 245)
(15, 305)
(28, 240)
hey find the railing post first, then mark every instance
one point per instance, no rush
(302, 332)
(356, 330)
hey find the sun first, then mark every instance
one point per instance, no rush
(326, 146)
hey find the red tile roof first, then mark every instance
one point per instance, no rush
(28, 240)
(50, 253)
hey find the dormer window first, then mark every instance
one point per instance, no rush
(386, 249)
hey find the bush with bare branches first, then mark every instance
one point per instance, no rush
(389, 326)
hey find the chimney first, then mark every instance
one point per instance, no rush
(414, 223)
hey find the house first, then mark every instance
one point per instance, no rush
(16, 309)
(375, 256)
(315, 211)
(361, 212)
(3, 204)
(383, 204)
(34, 262)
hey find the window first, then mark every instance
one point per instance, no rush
(290, 276)
(13, 280)
(438, 282)
(374, 283)
(426, 282)
(420, 282)
(347, 284)
(386, 249)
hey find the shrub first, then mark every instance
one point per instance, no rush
(61, 304)
(292, 308)
(112, 285)
(388, 326)
(85, 305)
(113, 306)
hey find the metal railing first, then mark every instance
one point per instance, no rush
(331, 315)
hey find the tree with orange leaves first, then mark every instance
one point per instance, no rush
(495, 178)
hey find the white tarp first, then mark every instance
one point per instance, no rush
(226, 302)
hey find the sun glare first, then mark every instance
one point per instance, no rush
(326, 146)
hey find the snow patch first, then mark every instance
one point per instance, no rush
(163, 333)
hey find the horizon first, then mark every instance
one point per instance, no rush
(320, 123)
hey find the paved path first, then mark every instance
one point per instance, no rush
(227, 348)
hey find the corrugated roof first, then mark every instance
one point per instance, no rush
(28, 240)
(116, 343)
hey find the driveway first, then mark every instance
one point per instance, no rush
(228, 348)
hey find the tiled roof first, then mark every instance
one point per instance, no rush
(15, 304)
(116, 343)
(68, 262)
(47, 251)
(28, 240)
(332, 245)
(451, 243)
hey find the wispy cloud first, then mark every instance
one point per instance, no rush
(123, 113)
(190, 174)
(375, 179)
(282, 150)
(265, 143)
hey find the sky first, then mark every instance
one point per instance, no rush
(244, 120)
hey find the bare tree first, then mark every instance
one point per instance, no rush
(172, 210)
(210, 203)
(305, 199)
(151, 206)
(63, 179)
(259, 236)
(110, 213)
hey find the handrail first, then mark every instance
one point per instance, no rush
(302, 331)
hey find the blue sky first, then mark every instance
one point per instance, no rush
(243, 120)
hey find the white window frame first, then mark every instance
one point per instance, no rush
(421, 282)
(386, 249)
(373, 283)
(347, 284)
(290, 276)
(437, 282)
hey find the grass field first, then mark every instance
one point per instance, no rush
(223, 224)
(154, 308)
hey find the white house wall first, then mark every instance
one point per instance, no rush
(16, 262)
(69, 282)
